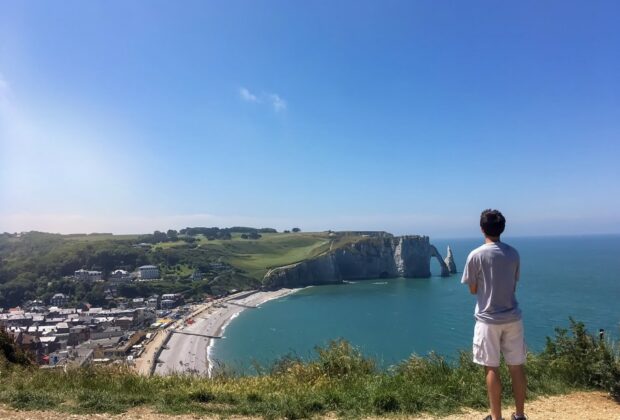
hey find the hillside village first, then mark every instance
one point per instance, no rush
(57, 335)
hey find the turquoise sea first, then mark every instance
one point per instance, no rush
(576, 276)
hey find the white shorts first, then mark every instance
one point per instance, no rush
(491, 339)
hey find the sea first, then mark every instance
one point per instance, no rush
(391, 319)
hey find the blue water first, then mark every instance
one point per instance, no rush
(391, 319)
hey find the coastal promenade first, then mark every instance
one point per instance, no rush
(187, 350)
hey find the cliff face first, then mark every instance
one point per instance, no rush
(320, 270)
(372, 257)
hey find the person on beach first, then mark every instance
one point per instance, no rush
(492, 272)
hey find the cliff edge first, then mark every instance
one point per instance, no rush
(371, 256)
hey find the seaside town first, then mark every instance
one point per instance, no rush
(58, 335)
(135, 332)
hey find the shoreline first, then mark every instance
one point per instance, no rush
(191, 348)
(256, 299)
(211, 345)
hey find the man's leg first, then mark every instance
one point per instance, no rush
(519, 386)
(494, 389)
(515, 353)
(486, 350)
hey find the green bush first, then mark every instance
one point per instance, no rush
(341, 359)
(10, 353)
(583, 360)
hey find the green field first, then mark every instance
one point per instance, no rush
(256, 257)
(36, 265)
(272, 250)
(97, 237)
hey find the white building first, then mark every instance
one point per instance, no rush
(120, 276)
(153, 302)
(59, 299)
(171, 300)
(88, 275)
(148, 272)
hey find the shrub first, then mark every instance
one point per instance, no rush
(340, 359)
(583, 360)
(10, 352)
(385, 403)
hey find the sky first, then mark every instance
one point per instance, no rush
(404, 116)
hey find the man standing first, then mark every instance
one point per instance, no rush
(492, 272)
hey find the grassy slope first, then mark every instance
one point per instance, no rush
(272, 250)
(256, 257)
(99, 237)
(339, 380)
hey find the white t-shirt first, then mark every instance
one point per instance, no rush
(494, 268)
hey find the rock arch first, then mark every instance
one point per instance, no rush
(445, 271)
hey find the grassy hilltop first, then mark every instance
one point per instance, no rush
(255, 256)
(36, 265)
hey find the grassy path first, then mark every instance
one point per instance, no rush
(574, 406)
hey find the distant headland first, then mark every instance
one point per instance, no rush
(363, 255)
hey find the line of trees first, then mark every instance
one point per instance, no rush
(212, 233)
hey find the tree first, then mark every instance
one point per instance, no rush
(160, 236)
(296, 229)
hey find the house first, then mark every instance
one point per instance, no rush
(171, 300)
(124, 322)
(120, 276)
(74, 357)
(49, 344)
(153, 302)
(62, 328)
(148, 272)
(88, 275)
(59, 299)
(137, 302)
(122, 349)
(78, 334)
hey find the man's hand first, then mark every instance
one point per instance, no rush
(473, 289)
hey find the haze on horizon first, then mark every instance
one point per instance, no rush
(404, 116)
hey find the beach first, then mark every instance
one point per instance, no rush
(190, 345)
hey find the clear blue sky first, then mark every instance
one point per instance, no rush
(406, 116)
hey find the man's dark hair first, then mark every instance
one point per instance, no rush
(492, 222)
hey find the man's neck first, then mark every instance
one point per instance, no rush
(491, 239)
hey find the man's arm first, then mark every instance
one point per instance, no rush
(470, 275)
(517, 273)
